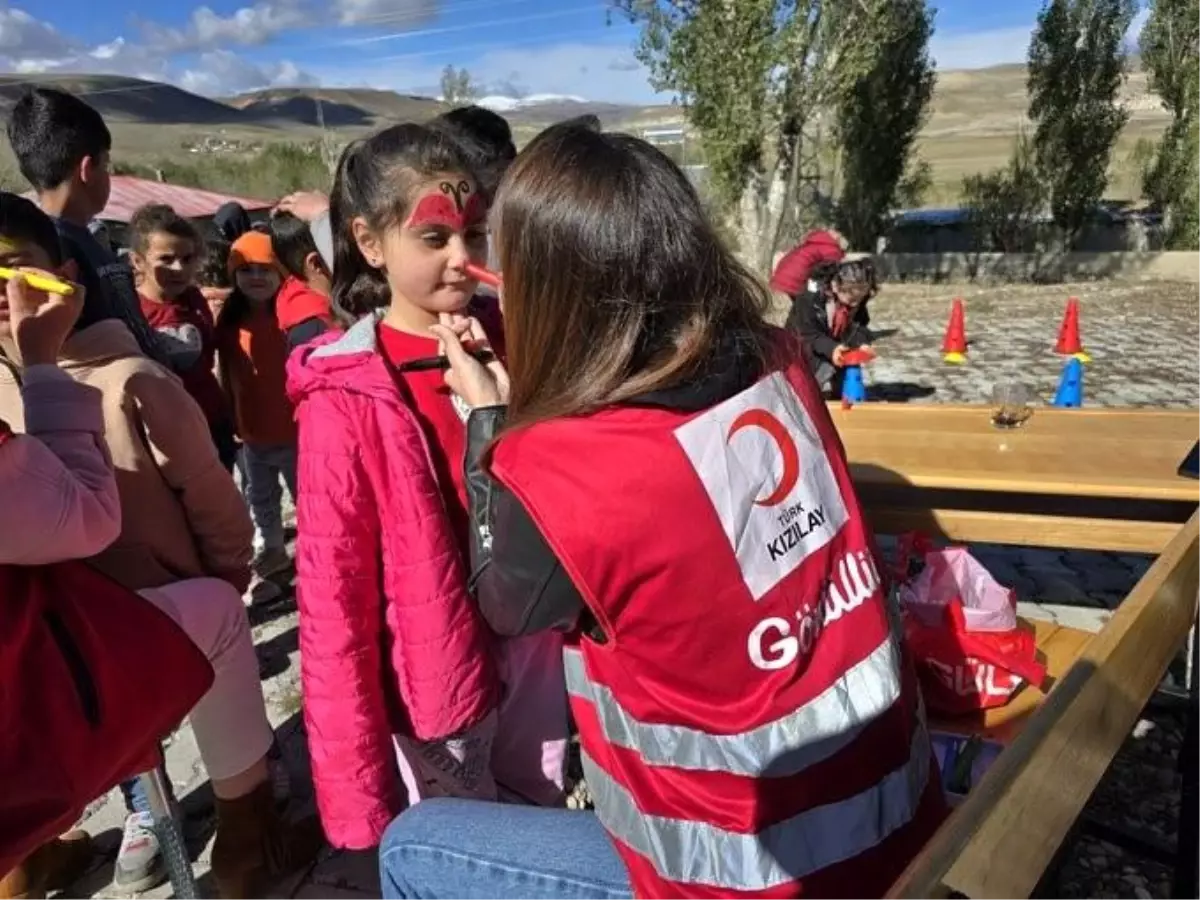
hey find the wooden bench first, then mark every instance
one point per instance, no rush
(1006, 833)
(1090, 479)
(1093, 479)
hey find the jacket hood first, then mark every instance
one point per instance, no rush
(296, 302)
(817, 249)
(347, 361)
(232, 220)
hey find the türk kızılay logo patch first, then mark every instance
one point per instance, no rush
(765, 469)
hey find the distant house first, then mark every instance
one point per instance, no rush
(130, 193)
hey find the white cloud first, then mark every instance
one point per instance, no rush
(21, 33)
(597, 71)
(249, 25)
(221, 72)
(998, 46)
(980, 49)
(30, 46)
(400, 14)
(264, 20)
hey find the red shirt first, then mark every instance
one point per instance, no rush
(433, 403)
(191, 308)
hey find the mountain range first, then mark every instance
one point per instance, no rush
(972, 120)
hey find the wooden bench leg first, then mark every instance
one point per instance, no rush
(1187, 862)
(170, 840)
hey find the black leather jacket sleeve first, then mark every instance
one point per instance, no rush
(807, 317)
(518, 582)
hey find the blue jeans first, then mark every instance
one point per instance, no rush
(135, 794)
(262, 467)
(471, 848)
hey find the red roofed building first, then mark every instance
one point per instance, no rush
(130, 193)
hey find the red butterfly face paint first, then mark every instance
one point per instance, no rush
(456, 206)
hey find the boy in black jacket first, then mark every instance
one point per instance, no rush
(831, 317)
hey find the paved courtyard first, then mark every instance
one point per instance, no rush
(1145, 342)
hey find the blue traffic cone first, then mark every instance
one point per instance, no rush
(1070, 386)
(853, 389)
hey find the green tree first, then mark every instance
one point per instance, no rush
(457, 86)
(878, 120)
(1076, 68)
(1170, 48)
(1004, 204)
(757, 78)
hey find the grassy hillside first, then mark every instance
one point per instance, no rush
(129, 99)
(341, 107)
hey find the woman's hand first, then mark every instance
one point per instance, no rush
(839, 355)
(479, 384)
(40, 321)
(304, 205)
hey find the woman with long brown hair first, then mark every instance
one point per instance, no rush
(655, 473)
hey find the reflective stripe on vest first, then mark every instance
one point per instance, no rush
(693, 852)
(804, 737)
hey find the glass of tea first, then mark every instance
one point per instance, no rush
(1010, 405)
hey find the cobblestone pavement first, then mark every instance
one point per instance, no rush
(1145, 343)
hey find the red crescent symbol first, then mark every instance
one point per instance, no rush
(760, 418)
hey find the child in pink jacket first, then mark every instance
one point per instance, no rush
(403, 683)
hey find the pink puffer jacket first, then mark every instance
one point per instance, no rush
(390, 641)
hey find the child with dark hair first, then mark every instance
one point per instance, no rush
(213, 277)
(831, 317)
(399, 663)
(231, 221)
(302, 306)
(62, 147)
(485, 138)
(165, 252)
(251, 357)
(486, 141)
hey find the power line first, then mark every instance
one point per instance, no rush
(470, 26)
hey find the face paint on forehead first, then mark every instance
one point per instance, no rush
(457, 206)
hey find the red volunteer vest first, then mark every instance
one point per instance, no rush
(750, 727)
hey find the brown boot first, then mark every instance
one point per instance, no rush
(54, 866)
(255, 845)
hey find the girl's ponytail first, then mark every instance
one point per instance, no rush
(358, 287)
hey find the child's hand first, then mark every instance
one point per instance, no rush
(839, 355)
(479, 384)
(40, 321)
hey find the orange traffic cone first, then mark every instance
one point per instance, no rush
(1069, 343)
(954, 345)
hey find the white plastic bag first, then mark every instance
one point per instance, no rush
(952, 572)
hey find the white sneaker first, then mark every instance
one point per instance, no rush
(261, 590)
(140, 865)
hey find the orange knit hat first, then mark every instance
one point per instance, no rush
(252, 248)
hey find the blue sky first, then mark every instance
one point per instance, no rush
(512, 47)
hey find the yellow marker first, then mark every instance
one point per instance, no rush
(39, 282)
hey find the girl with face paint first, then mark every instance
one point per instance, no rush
(407, 695)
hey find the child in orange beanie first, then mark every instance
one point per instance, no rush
(251, 355)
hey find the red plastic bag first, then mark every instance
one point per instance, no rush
(961, 628)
